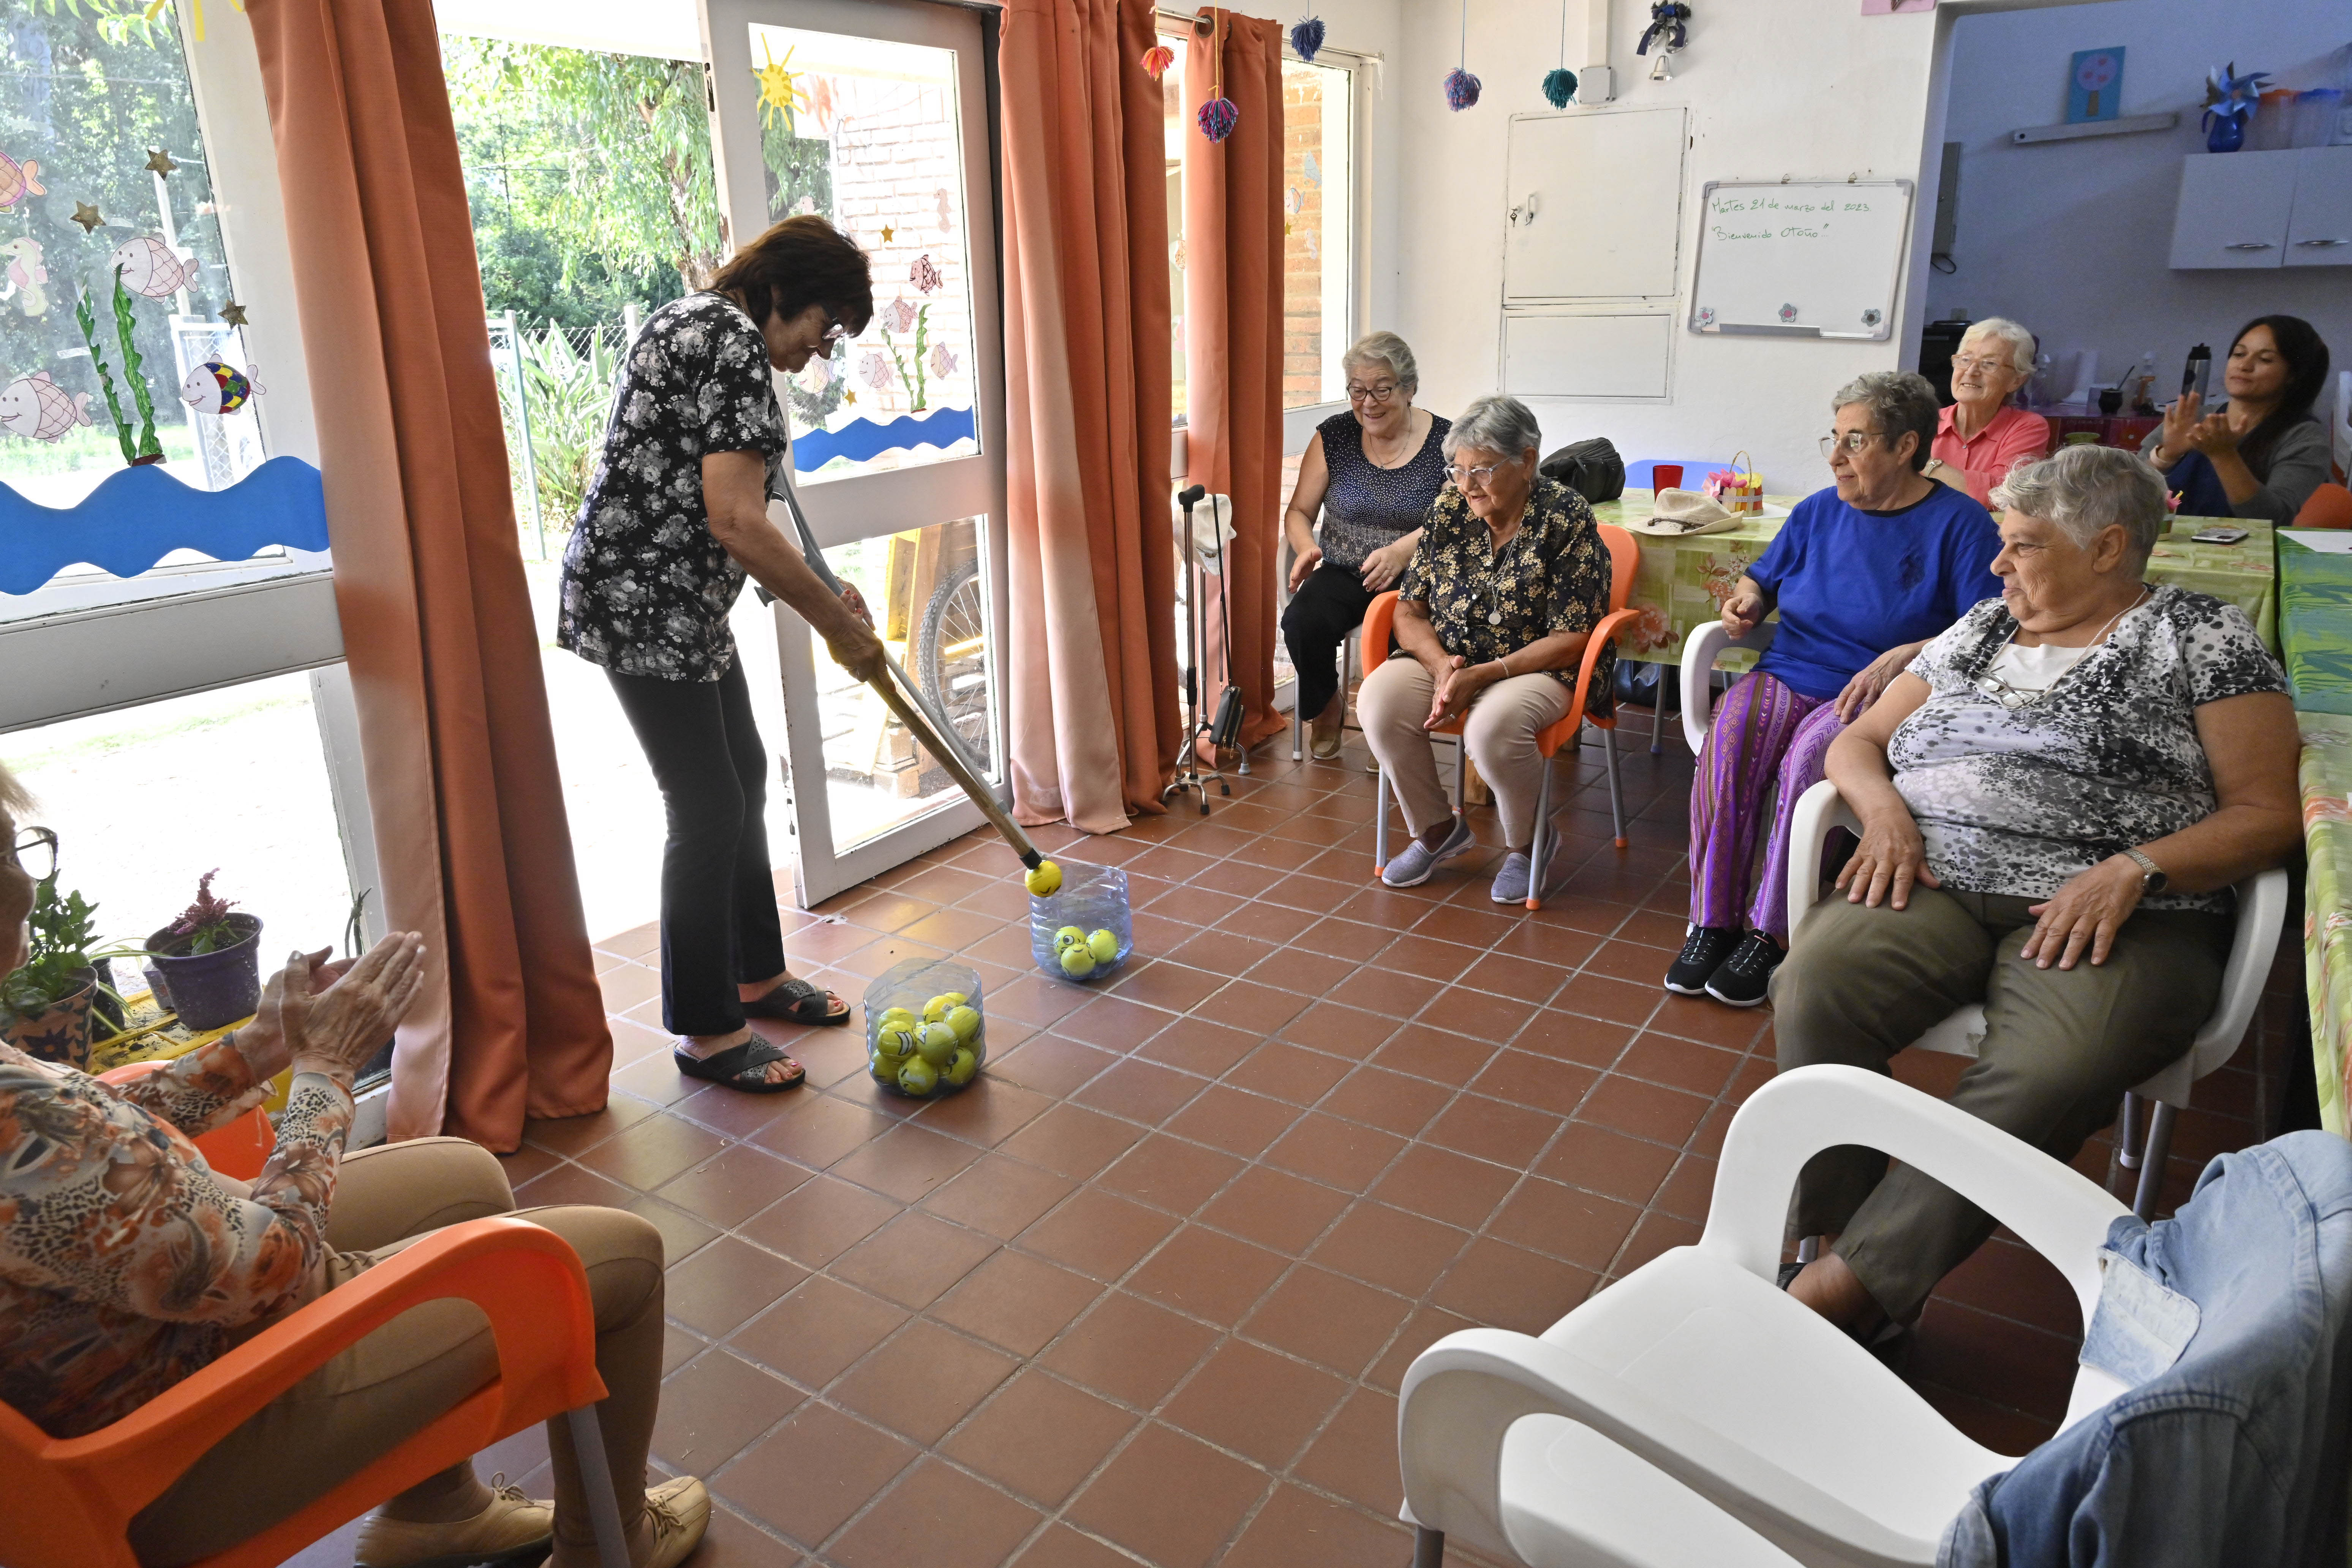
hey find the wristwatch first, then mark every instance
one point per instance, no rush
(2152, 879)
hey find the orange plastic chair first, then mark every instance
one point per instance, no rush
(238, 1149)
(1625, 559)
(2330, 506)
(70, 1501)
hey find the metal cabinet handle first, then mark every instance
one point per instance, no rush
(2313, 244)
(2249, 245)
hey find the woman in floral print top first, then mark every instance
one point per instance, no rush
(675, 519)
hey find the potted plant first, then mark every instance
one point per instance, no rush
(45, 1006)
(210, 960)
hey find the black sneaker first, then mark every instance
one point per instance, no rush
(1703, 950)
(1741, 980)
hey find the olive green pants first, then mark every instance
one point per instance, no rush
(2061, 1048)
(364, 1402)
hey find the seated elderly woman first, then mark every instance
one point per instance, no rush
(2055, 799)
(1980, 438)
(126, 1265)
(1862, 574)
(1509, 579)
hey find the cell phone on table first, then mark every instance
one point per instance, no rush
(2218, 535)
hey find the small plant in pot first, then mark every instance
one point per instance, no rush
(210, 960)
(46, 1007)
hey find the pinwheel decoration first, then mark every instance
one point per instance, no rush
(2229, 100)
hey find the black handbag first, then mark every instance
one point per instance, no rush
(1591, 468)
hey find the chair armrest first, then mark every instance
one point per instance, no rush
(524, 1278)
(1705, 645)
(1819, 809)
(2261, 917)
(1550, 740)
(2059, 1212)
(1462, 1395)
(1380, 625)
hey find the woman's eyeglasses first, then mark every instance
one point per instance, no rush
(1379, 393)
(1963, 364)
(1853, 441)
(1483, 473)
(35, 851)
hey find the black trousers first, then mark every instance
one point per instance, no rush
(718, 924)
(1329, 605)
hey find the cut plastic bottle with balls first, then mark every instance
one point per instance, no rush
(926, 1027)
(1062, 929)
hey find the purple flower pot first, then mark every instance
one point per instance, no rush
(211, 989)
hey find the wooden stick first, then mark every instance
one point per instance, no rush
(952, 761)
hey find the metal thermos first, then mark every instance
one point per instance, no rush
(2197, 372)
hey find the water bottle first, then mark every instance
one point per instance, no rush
(2198, 372)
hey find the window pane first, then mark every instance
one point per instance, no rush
(865, 132)
(930, 601)
(1316, 230)
(97, 118)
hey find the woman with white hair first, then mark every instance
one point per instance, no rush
(1372, 472)
(1980, 437)
(2055, 799)
(1509, 579)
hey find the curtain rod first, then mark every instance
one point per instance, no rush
(1200, 23)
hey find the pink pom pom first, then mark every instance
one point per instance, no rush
(1461, 89)
(1218, 118)
(1157, 59)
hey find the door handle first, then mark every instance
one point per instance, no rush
(2318, 243)
(2249, 245)
(1525, 213)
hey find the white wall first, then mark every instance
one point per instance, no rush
(1801, 87)
(2073, 237)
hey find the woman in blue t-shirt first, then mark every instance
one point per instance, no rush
(1862, 574)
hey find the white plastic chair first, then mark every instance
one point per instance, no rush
(1693, 1414)
(2261, 912)
(1700, 650)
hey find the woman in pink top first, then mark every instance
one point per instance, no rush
(1979, 438)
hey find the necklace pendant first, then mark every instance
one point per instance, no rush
(1494, 617)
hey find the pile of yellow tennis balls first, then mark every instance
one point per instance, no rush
(919, 1055)
(1082, 952)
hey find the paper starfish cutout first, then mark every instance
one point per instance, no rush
(87, 216)
(233, 313)
(887, 232)
(160, 160)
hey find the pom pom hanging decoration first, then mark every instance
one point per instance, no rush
(1157, 59)
(1559, 86)
(1218, 118)
(1461, 87)
(1306, 37)
(1667, 28)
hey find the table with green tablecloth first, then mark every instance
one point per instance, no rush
(2326, 781)
(1683, 582)
(2315, 626)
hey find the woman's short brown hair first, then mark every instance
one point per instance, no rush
(800, 262)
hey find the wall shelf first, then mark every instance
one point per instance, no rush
(2129, 125)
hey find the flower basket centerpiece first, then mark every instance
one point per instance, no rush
(210, 960)
(45, 1006)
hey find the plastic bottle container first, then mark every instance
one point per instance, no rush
(2271, 130)
(2315, 115)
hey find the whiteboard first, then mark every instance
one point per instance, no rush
(1800, 258)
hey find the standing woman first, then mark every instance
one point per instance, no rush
(676, 516)
(2263, 452)
(1372, 472)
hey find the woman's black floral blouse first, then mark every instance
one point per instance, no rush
(646, 586)
(1553, 576)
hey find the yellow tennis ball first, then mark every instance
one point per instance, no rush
(935, 1009)
(1078, 962)
(918, 1077)
(1046, 881)
(1104, 946)
(955, 998)
(896, 1040)
(1067, 938)
(965, 1022)
(897, 1016)
(937, 1045)
(960, 1070)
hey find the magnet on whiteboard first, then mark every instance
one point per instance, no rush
(1787, 313)
(1870, 317)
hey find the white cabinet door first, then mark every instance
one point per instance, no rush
(2233, 209)
(1617, 357)
(1595, 206)
(2320, 234)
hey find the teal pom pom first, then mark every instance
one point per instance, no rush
(1559, 86)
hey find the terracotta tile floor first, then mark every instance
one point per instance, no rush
(1145, 1292)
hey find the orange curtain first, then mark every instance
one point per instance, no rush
(1232, 342)
(468, 811)
(1092, 676)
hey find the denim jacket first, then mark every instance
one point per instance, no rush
(2237, 1452)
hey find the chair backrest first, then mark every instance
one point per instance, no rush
(1700, 649)
(1624, 562)
(2330, 506)
(1380, 624)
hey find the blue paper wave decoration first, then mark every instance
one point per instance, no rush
(137, 516)
(864, 440)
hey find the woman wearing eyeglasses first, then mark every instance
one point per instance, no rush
(675, 519)
(1372, 472)
(1509, 579)
(1862, 574)
(1980, 438)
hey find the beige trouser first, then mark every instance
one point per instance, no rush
(364, 1402)
(1504, 721)
(2060, 1047)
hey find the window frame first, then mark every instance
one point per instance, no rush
(1298, 424)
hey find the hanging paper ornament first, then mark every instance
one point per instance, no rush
(1559, 86)
(38, 409)
(1218, 118)
(1461, 87)
(218, 387)
(1306, 37)
(1157, 59)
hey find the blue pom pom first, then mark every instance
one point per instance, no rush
(1461, 89)
(1306, 37)
(1559, 86)
(1218, 117)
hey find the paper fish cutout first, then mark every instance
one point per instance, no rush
(217, 387)
(26, 275)
(39, 408)
(898, 316)
(18, 180)
(150, 267)
(923, 274)
(1314, 170)
(943, 362)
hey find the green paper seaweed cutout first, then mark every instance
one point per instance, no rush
(145, 447)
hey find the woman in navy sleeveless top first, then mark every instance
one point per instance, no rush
(1372, 472)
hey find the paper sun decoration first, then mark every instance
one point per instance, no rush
(217, 387)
